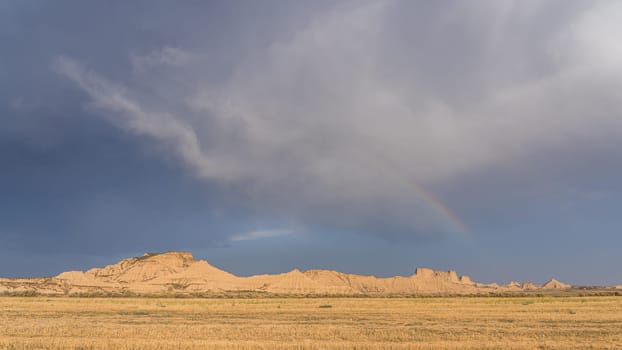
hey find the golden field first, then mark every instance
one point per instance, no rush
(311, 323)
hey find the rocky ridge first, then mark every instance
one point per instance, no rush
(180, 273)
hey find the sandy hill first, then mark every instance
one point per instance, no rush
(513, 285)
(179, 272)
(555, 284)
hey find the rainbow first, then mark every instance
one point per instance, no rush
(432, 201)
(437, 205)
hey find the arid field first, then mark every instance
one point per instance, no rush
(311, 323)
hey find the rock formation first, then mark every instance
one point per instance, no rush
(180, 273)
(555, 284)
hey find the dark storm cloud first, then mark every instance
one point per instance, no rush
(372, 99)
(72, 182)
(219, 120)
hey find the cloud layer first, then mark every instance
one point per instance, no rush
(356, 118)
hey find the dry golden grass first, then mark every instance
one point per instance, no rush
(314, 323)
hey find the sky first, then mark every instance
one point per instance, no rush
(369, 137)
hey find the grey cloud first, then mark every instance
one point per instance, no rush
(127, 114)
(165, 56)
(253, 235)
(347, 121)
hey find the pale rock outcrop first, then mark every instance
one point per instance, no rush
(555, 284)
(424, 272)
(179, 272)
(529, 286)
(513, 286)
(464, 279)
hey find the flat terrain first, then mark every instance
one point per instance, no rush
(311, 323)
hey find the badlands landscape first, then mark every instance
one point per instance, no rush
(281, 136)
(172, 301)
(178, 273)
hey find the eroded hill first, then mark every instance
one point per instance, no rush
(180, 273)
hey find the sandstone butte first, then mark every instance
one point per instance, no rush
(180, 273)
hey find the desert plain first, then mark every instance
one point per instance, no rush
(311, 323)
(172, 301)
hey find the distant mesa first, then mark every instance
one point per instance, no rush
(555, 284)
(180, 273)
(424, 272)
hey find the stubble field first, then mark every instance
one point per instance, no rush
(311, 323)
